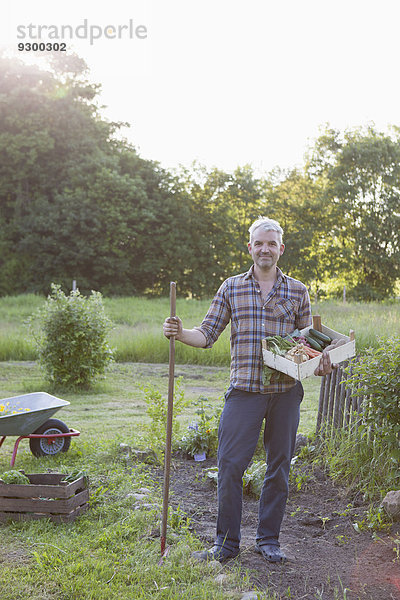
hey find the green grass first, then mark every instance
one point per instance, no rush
(115, 407)
(137, 334)
(111, 551)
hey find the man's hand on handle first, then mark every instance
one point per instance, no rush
(172, 326)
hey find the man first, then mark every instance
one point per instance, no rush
(258, 303)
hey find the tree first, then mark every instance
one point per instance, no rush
(360, 174)
(75, 201)
(312, 253)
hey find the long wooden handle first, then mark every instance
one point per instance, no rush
(168, 440)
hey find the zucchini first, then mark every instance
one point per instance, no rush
(313, 343)
(320, 336)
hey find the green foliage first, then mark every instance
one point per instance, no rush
(68, 182)
(375, 519)
(71, 337)
(202, 434)
(377, 378)
(14, 477)
(253, 478)
(360, 175)
(157, 410)
(366, 468)
(300, 474)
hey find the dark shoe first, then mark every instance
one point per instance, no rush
(218, 553)
(271, 553)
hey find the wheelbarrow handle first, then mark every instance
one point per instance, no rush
(71, 433)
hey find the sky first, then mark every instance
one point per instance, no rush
(229, 83)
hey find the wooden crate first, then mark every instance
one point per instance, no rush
(306, 369)
(47, 497)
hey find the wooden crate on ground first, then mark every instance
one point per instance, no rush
(46, 497)
(305, 369)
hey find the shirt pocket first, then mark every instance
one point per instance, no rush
(285, 309)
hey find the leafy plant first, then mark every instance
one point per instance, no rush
(366, 468)
(366, 457)
(202, 435)
(14, 477)
(195, 441)
(253, 477)
(71, 338)
(376, 377)
(375, 519)
(157, 410)
(299, 475)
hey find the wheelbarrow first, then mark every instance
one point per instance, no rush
(28, 416)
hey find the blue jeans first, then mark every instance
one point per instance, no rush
(239, 430)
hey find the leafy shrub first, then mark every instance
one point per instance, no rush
(71, 338)
(366, 457)
(377, 377)
(157, 410)
(202, 435)
(253, 477)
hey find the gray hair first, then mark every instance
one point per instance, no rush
(267, 225)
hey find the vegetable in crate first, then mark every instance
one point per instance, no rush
(318, 335)
(314, 344)
(73, 475)
(279, 345)
(297, 351)
(12, 477)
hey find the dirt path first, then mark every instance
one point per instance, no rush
(327, 555)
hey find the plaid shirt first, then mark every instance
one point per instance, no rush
(238, 300)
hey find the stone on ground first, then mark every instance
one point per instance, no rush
(391, 503)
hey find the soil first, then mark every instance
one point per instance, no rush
(328, 558)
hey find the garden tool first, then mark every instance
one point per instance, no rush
(168, 440)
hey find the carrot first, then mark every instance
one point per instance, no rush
(311, 352)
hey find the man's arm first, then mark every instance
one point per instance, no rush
(213, 324)
(190, 337)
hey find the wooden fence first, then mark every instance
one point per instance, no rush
(338, 408)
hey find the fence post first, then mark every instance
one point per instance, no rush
(321, 404)
(339, 407)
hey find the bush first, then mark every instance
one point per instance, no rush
(157, 410)
(71, 337)
(377, 377)
(202, 434)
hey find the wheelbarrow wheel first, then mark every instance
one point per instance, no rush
(50, 447)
